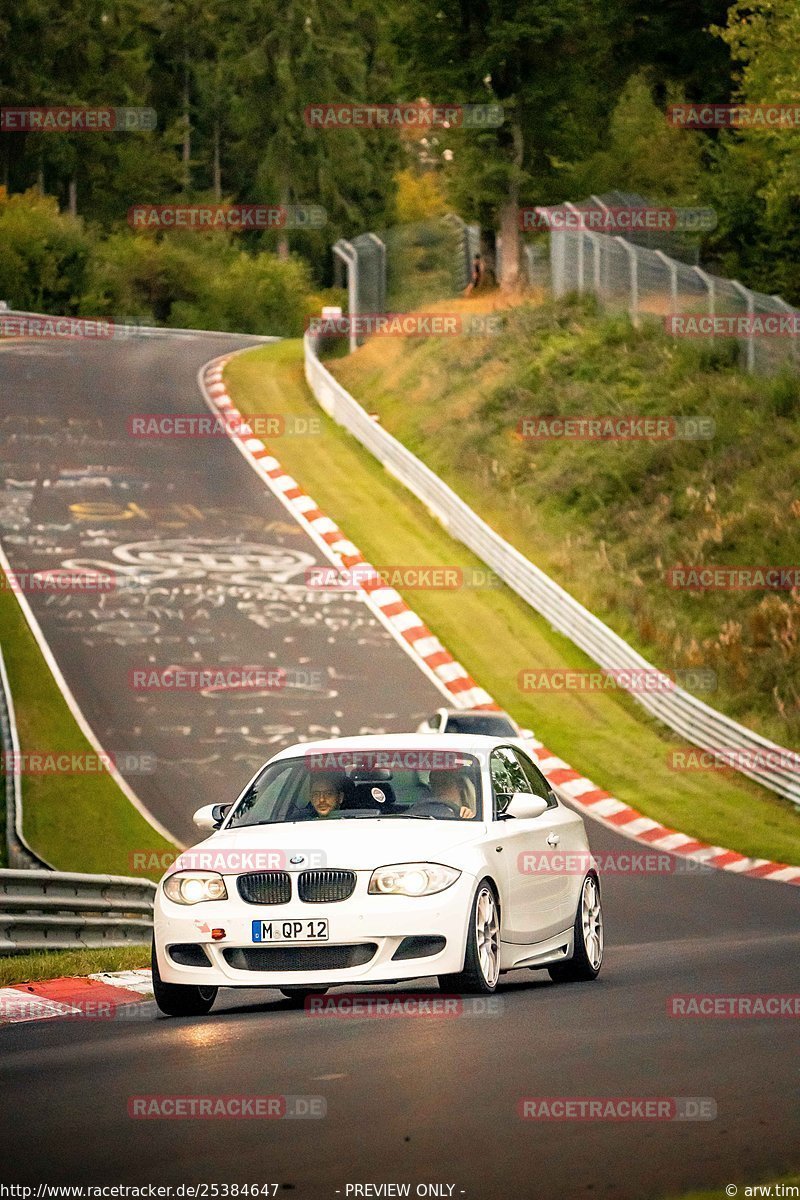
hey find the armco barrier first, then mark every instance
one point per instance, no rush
(54, 910)
(766, 762)
(20, 853)
(125, 330)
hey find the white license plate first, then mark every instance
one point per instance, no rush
(310, 930)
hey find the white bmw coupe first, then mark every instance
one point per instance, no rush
(371, 860)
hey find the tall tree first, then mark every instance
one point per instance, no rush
(542, 63)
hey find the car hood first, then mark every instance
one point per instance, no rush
(361, 844)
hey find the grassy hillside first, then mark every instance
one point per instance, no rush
(608, 519)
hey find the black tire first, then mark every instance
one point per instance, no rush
(586, 961)
(473, 980)
(180, 999)
(298, 995)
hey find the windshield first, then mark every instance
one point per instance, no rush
(439, 785)
(483, 723)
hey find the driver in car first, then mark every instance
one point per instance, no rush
(327, 793)
(450, 788)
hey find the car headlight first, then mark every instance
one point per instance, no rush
(193, 887)
(412, 879)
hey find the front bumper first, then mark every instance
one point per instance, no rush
(363, 920)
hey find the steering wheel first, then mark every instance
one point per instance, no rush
(434, 808)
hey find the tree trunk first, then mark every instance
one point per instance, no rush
(283, 237)
(509, 216)
(187, 127)
(73, 197)
(40, 176)
(217, 183)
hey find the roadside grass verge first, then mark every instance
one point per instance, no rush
(76, 822)
(52, 964)
(609, 519)
(495, 634)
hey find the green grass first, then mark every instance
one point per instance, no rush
(495, 635)
(608, 519)
(53, 964)
(76, 822)
(747, 1190)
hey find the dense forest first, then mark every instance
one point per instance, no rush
(583, 87)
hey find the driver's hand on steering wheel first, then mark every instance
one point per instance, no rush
(466, 812)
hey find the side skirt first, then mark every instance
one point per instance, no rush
(541, 954)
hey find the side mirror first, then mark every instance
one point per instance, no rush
(210, 816)
(524, 806)
(526, 733)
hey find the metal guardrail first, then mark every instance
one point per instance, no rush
(20, 853)
(44, 909)
(126, 330)
(55, 910)
(764, 761)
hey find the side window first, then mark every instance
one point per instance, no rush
(536, 780)
(507, 777)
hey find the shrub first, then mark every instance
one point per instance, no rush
(44, 254)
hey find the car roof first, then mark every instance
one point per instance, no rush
(395, 741)
(475, 712)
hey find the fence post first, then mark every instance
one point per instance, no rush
(558, 262)
(750, 358)
(792, 341)
(672, 267)
(708, 280)
(382, 271)
(572, 208)
(634, 269)
(594, 238)
(344, 250)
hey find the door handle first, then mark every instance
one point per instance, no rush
(553, 839)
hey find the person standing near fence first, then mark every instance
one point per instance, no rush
(477, 275)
